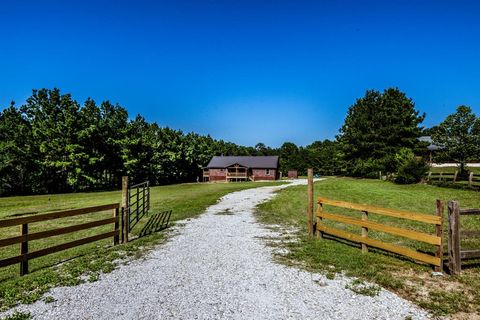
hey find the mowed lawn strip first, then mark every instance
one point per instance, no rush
(442, 295)
(86, 262)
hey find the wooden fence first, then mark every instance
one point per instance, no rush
(473, 179)
(455, 234)
(442, 176)
(25, 237)
(435, 239)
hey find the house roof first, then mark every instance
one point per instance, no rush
(431, 146)
(260, 162)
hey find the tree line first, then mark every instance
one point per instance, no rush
(54, 144)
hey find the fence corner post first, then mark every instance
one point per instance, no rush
(439, 232)
(454, 261)
(310, 224)
(125, 209)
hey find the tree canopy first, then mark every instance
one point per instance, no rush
(375, 128)
(54, 144)
(459, 136)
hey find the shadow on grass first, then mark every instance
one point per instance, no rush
(157, 222)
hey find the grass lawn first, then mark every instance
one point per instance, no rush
(85, 263)
(442, 295)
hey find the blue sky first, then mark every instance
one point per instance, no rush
(244, 71)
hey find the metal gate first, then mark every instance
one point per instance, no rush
(138, 203)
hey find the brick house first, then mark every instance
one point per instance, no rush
(232, 168)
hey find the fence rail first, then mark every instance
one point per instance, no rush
(455, 234)
(26, 237)
(366, 225)
(473, 179)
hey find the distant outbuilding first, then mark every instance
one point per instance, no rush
(292, 174)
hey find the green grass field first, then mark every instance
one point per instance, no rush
(442, 295)
(85, 263)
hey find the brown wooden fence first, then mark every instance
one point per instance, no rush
(455, 234)
(435, 239)
(25, 236)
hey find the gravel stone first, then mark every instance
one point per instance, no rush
(219, 266)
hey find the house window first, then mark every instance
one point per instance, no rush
(222, 170)
(267, 172)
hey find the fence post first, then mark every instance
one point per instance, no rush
(429, 175)
(310, 203)
(24, 250)
(439, 232)
(125, 209)
(319, 220)
(455, 176)
(148, 195)
(115, 226)
(470, 179)
(138, 204)
(364, 231)
(454, 262)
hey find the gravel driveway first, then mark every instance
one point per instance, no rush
(218, 267)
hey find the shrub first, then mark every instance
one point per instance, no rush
(411, 171)
(367, 168)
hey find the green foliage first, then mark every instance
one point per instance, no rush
(324, 157)
(444, 302)
(368, 168)
(53, 144)
(18, 316)
(411, 169)
(459, 135)
(376, 127)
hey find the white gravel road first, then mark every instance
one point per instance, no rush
(219, 267)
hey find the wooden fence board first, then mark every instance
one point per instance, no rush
(431, 219)
(25, 237)
(469, 234)
(71, 244)
(470, 212)
(382, 245)
(55, 215)
(414, 235)
(470, 254)
(56, 232)
(12, 260)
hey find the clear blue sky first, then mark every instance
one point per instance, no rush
(244, 71)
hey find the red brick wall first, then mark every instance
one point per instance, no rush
(217, 174)
(260, 174)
